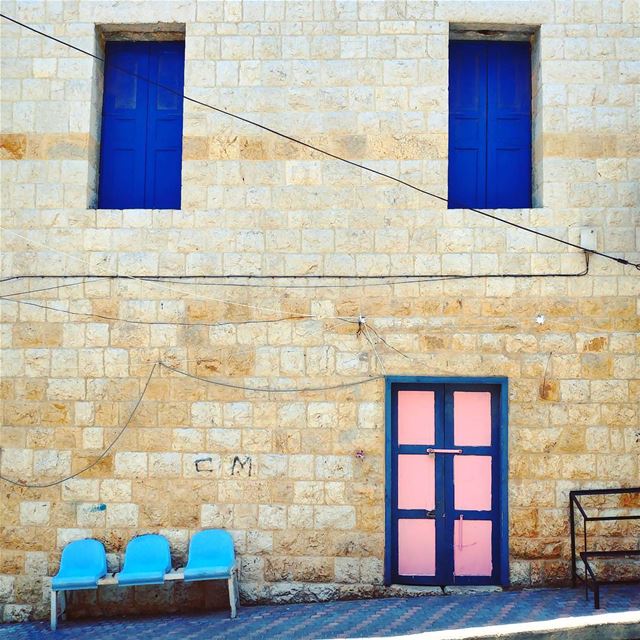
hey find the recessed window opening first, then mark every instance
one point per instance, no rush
(141, 132)
(490, 120)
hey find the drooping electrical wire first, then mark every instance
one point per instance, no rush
(112, 444)
(230, 385)
(385, 343)
(320, 150)
(45, 485)
(365, 333)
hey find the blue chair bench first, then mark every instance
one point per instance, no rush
(147, 561)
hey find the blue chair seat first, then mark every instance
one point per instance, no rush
(82, 564)
(72, 583)
(207, 573)
(140, 577)
(147, 558)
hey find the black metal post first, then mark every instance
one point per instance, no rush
(572, 524)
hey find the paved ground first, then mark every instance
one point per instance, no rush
(347, 619)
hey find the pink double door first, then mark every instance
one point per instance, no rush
(446, 506)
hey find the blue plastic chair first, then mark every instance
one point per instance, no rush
(82, 564)
(212, 557)
(147, 558)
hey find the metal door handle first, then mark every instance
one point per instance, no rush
(452, 451)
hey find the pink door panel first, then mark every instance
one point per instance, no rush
(416, 422)
(472, 483)
(472, 418)
(472, 548)
(416, 547)
(416, 482)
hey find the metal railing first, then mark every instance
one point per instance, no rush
(590, 579)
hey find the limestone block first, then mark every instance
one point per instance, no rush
(272, 517)
(131, 464)
(371, 570)
(115, 490)
(78, 489)
(609, 390)
(90, 515)
(347, 570)
(7, 585)
(188, 439)
(44, 67)
(301, 467)
(216, 516)
(520, 572)
(333, 467)
(300, 517)
(335, 517)
(51, 462)
(165, 465)
(223, 439)
(16, 612)
(308, 492)
(34, 513)
(122, 515)
(206, 414)
(272, 466)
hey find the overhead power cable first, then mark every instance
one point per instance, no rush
(57, 286)
(363, 280)
(176, 323)
(245, 305)
(320, 150)
(385, 281)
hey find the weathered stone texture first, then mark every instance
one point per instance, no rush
(299, 478)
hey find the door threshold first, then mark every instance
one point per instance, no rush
(462, 590)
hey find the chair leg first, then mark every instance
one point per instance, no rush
(63, 604)
(232, 594)
(236, 582)
(54, 610)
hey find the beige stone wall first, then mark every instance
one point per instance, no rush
(368, 81)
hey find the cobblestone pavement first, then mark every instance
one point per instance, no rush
(345, 619)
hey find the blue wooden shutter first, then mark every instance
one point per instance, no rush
(164, 126)
(467, 124)
(489, 124)
(124, 127)
(509, 125)
(141, 147)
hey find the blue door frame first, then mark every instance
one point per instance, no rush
(444, 493)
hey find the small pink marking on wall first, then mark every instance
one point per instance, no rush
(472, 482)
(416, 482)
(416, 547)
(472, 548)
(472, 418)
(416, 417)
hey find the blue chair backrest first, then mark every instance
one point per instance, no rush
(149, 551)
(211, 546)
(83, 557)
